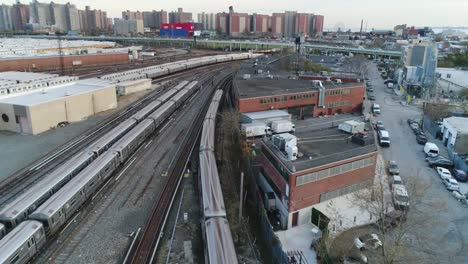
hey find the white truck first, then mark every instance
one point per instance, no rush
(255, 129)
(282, 126)
(351, 126)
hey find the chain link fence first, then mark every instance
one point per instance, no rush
(269, 243)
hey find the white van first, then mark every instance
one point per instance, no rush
(400, 197)
(431, 149)
(376, 109)
(384, 138)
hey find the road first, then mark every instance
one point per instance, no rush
(444, 239)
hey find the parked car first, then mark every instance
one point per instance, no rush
(369, 89)
(417, 131)
(421, 139)
(443, 173)
(371, 97)
(459, 175)
(451, 184)
(414, 125)
(441, 162)
(393, 167)
(379, 126)
(410, 121)
(368, 241)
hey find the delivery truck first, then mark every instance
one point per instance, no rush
(282, 126)
(255, 129)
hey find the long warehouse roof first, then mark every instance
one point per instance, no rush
(54, 93)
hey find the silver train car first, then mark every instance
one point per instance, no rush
(104, 142)
(217, 235)
(147, 110)
(21, 244)
(63, 204)
(132, 140)
(162, 113)
(2, 230)
(21, 206)
(59, 195)
(219, 244)
(183, 94)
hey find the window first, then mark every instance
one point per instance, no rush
(14, 259)
(318, 175)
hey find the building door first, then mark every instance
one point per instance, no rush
(295, 217)
(24, 125)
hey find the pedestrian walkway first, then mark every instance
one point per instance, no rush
(299, 238)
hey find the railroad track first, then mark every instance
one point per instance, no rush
(27, 176)
(145, 251)
(93, 209)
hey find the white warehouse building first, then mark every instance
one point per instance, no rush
(40, 110)
(455, 134)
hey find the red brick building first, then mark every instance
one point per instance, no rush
(53, 62)
(277, 23)
(319, 24)
(238, 24)
(299, 97)
(302, 23)
(327, 169)
(260, 23)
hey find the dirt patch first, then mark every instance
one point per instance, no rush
(229, 155)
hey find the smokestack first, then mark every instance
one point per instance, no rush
(360, 32)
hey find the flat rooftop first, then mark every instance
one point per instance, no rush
(459, 77)
(265, 87)
(322, 145)
(55, 93)
(460, 123)
(24, 76)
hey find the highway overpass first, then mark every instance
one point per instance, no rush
(235, 44)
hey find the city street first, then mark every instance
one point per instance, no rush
(444, 241)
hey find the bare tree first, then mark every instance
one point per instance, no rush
(400, 231)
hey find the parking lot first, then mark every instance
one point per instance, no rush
(445, 240)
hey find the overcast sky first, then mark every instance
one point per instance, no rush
(346, 13)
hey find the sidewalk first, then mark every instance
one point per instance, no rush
(299, 238)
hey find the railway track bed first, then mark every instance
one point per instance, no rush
(123, 205)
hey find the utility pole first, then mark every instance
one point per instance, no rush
(241, 196)
(60, 51)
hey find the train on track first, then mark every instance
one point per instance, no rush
(44, 209)
(28, 220)
(172, 67)
(217, 234)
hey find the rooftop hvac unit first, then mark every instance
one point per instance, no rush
(287, 144)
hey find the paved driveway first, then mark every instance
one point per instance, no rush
(445, 240)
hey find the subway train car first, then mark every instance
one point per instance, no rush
(21, 244)
(162, 113)
(2, 230)
(63, 204)
(21, 206)
(185, 93)
(104, 142)
(132, 140)
(219, 244)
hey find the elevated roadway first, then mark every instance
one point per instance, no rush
(233, 44)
